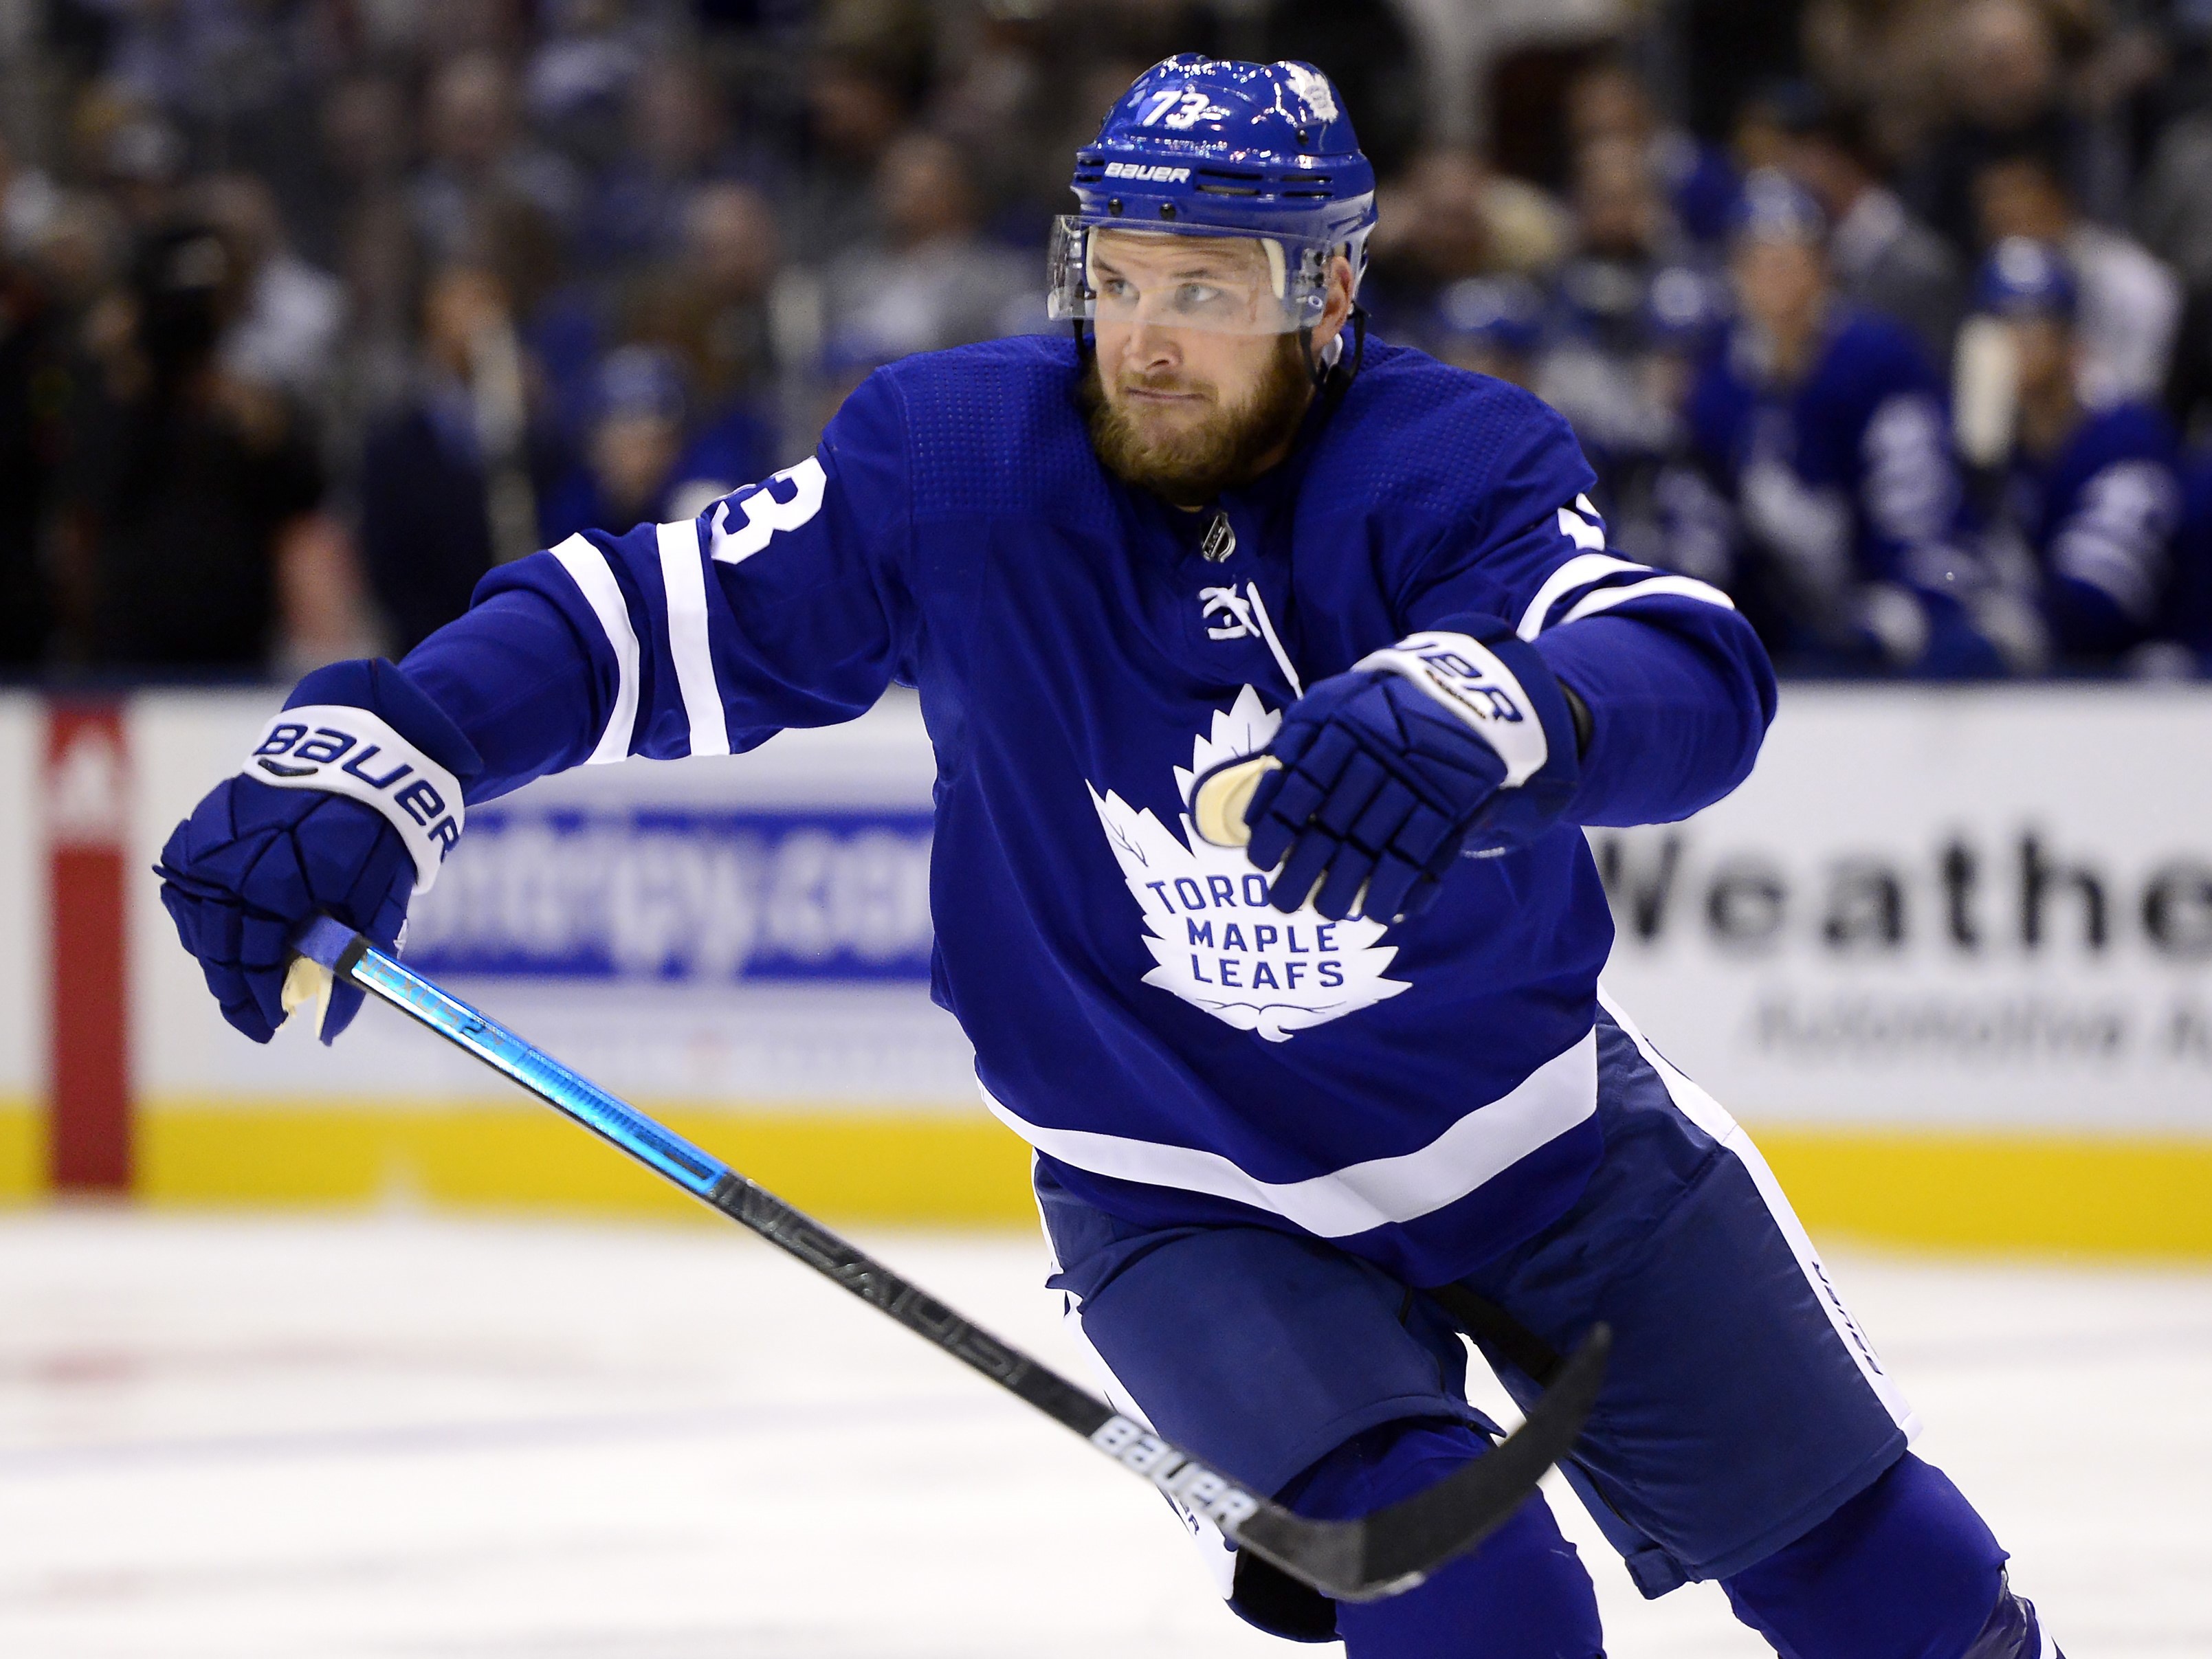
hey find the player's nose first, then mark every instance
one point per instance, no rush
(1149, 348)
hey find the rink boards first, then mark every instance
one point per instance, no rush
(1949, 952)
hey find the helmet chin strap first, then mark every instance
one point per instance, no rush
(1323, 365)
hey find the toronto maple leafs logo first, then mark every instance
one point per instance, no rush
(1218, 942)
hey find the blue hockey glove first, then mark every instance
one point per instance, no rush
(348, 806)
(1445, 741)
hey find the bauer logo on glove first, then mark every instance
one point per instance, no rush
(350, 751)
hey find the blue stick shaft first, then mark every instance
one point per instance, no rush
(579, 1098)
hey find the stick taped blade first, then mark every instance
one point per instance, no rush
(1218, 804)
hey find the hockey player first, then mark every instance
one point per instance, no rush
(1290, 1107)
(2091, 497)
(1825, 425)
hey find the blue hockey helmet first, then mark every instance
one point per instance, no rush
(1201, 147)
(2023, 278)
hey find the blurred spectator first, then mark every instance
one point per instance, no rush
(1592, 370)
(1725, 48)
(1609, 101)
(931, 281)
(28, 204)
(677, 145)
(1823, 428)
(2174, 208)
(2005, 98)
(859, 98)
(1447, 218)
(1882, 258)
(2131, 305)
(712, 304)
(639, 463)
(1893, 60)
(190, 486)
(137, 157)
(1016, 102)
(478, 153)
(450, 477)
(286, 330)
(1660, 508)
(2091, 497)
(360, 155)
(1492, 325)
(578, 80)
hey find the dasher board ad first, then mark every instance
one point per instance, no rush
(1940, 908)
(735, 932)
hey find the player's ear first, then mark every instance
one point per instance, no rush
(1338, 306)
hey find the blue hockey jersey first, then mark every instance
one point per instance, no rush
(1423, 1094)
(2097, 520)
(1846, 492)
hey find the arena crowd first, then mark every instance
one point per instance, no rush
(1893, 317)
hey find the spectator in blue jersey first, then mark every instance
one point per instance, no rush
(2130, 303)
(2091, 495)
(1825, 427)
(1660, 507)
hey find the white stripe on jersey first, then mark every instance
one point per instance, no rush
(588, 568)
(1605, 598)
(1708, 1113)
(684, 579)
(1577, 572)
(1486, 1142)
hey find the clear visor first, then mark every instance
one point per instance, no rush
(1226, 282)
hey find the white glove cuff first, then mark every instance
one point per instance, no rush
(1469, 679)
(350, 751)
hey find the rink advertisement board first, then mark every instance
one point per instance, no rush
(647, 893)
(1948, 951)
(1957, 909)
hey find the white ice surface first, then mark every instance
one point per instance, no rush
(406, 1437)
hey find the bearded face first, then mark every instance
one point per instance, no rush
(1198, 383)
(1184, 438)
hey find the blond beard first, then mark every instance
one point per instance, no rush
(1226, 451)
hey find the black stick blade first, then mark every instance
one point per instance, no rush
(1394, 1549)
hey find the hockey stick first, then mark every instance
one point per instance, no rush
(1380, 1554)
